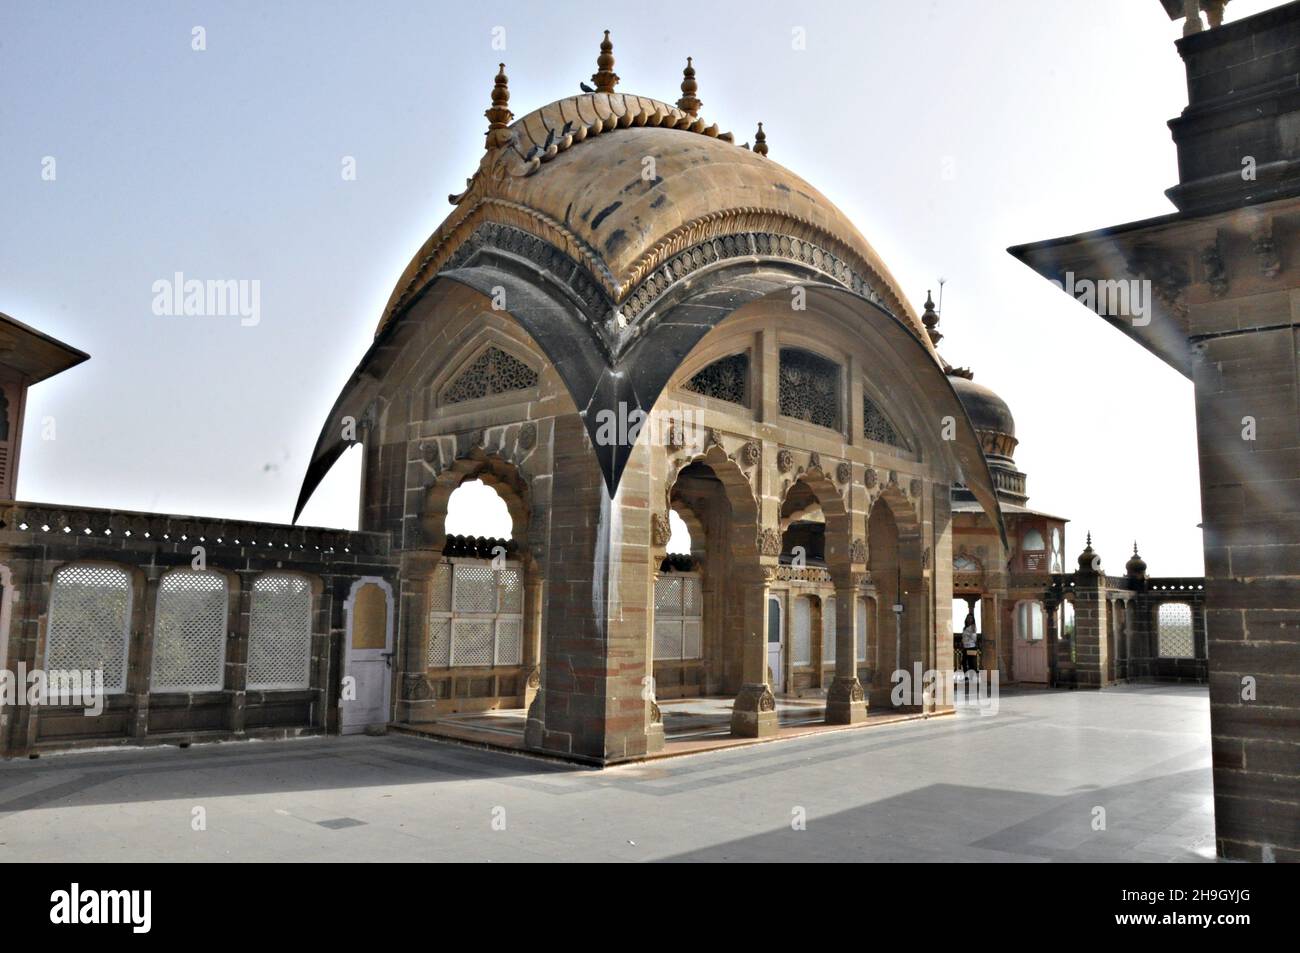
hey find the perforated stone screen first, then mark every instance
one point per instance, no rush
(877, 426)
(279, 633)
(801, 640)
(809, 388)
(828, 629)
(1174, 631)
(189, 633)
(90, 614)
(492, 372)
(476, 615)
(679, 614)
(725, 379)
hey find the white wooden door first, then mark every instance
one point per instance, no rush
(367, 669)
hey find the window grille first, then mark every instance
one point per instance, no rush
(862, 630)
(828, 628)
(878, 427)
(725, 379)
(492, 372)
(89, 624)
(476, 615)
(801, 648)
(189, 633)
(809, 388)
(279, 633)
(679, 616)
(1174, 631)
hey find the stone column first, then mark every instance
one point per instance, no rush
(846, 703)
(532, 637)
(754, 712)
(1090, 642)
(416, 704)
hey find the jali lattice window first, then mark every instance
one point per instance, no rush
(492, 372)
(476, 614)
(189, 633)
(679, 616)
(89, 624)
(1174, 631)
(801, 642)
(828, 628)
(877, 426)
(725, 379)
(279, 633)
(809, 388)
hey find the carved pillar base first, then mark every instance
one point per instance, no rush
(654, 733)
(534, 728)
(845, 702)
(754, 713)
(531, 687)
(417, 704)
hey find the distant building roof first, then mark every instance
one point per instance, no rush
(33, 353)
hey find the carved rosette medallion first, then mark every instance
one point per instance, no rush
(784, 460)
(843, 473)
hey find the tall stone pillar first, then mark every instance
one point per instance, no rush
(754, 713)
(532, 637)
(1091, 649)
(846, 703)
(416, 704)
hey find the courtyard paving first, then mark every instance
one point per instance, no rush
(1122, 774)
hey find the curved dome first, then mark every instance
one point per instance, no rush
(988, 412)
(627, 185)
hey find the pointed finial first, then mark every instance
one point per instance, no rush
(689, 104)
(499, 114)
(1135, 547)
(760, 141)
(1089, 537)
(605, 78)
(931, 320)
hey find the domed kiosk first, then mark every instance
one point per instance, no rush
(627, 314)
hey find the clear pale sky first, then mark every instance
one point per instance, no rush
(226, 163)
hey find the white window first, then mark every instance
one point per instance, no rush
(828, 628)
(679, 616)
(279, 633)
(89, 624)
(189, 633)
(801, 647)
(1029, 621)
(1174, 631)
(476, 614)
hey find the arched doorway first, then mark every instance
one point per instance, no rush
(894, 561)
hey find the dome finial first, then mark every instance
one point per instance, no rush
(931, 320)
(689, 104)
(605, 78)
(1136, 566)
(1089, 561)
(499, 114)
(760, 141)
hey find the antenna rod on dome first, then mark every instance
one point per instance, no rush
(939, 311)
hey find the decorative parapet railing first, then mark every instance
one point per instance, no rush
(803, 574)
(1185, 586)
(49, 522)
